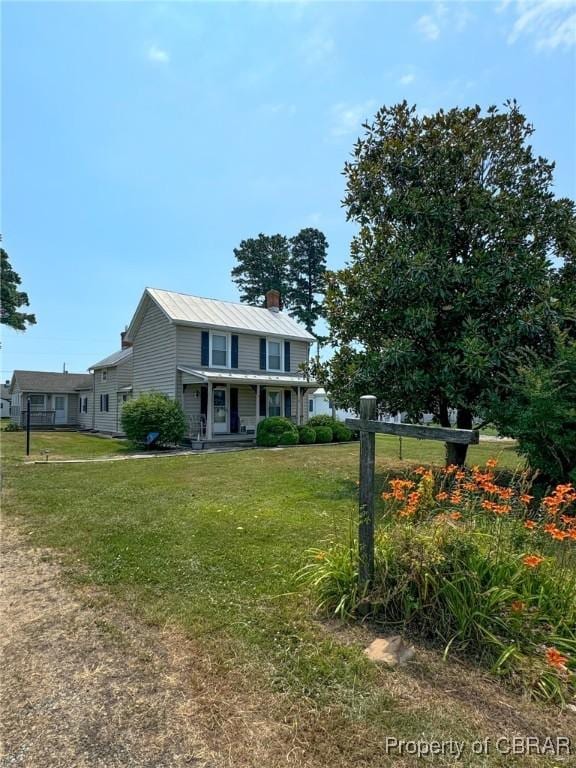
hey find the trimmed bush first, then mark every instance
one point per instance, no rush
(324, 434)
(12, 426)
(306, 434)
(270, 430)
(153, 412)
(289, 438)
(321, 421)
(341, 433)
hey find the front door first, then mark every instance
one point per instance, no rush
(60, 409)
(220, 402)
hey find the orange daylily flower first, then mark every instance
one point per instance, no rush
(491, 463)
(525, 498)
(555, 658)
(517, 606)
(529, 524)
(532, 561)
(441, 496)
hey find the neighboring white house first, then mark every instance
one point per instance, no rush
(5, 401)
(320, 404)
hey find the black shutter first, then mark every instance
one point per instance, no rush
(286, 355)
(234, 415)
(205, 351)
(263, 400)
(101, 408)
(263, 354)
(107, 402)
(287, 403)
(234, 354)
(204, 401)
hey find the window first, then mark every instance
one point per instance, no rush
(274, 402)
(37, 402)
(311, 405)
(104, 374)
(104, 402)
(274, 355)
(220, 349)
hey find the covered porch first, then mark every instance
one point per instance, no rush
(226, 407)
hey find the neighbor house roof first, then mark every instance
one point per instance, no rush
(114, 359)
(5, 391)
(47, 381)
(183, 309)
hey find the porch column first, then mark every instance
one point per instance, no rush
(209, 412)
(297, 405)
(257, 404)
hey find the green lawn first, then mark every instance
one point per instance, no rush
(212, 542)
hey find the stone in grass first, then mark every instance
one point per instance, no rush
(391, 650)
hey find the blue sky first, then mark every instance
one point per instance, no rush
(143, 141)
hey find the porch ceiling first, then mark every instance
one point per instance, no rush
(192, 376)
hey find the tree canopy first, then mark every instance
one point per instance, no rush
(451, 269)
(262, 266)
(11, 298)
(307, 272)
(295, 267)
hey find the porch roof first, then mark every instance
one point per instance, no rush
(193, 376)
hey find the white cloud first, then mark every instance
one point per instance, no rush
(551, 23)
(347, 118)
(407, 79)
(428, 28)
(157, 55)
(444, 18)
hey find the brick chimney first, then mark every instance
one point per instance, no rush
(273, 300)
(124, 344)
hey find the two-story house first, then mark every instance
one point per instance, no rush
(228, 364)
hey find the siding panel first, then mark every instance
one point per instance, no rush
(154, 355)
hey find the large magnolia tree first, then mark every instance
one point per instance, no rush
(451, 270)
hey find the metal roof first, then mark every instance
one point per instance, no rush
(49, 382)
(114, 359)
(181, 308)
(247, 378)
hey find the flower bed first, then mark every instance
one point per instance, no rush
(474, 565)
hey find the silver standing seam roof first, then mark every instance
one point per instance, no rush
(113, 359)
(183, 309)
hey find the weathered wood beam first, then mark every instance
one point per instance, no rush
(366, 492)
(464, 436)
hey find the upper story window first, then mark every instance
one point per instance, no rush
(274, 355)
(220, 350)
(104, 374)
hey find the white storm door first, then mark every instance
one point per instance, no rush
(60, 414)
(220, 413)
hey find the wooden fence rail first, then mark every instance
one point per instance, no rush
(368, 427)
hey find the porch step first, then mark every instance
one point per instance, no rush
(203, 445)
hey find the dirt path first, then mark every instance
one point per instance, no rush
(69, 696)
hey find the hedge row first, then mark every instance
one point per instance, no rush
(277, 430)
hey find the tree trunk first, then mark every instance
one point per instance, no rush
(456, 452)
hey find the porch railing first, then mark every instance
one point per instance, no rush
(38, 418)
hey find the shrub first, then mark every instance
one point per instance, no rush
(306, 434)
(153, 412)
(289, 438)
(540, 411)
(324, 434)
(321, 421)
(270, 430)
(12, 426)
(341, 433)
(475, 566)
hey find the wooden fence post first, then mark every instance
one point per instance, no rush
(366, 509)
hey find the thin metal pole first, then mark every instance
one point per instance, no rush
(28, 427)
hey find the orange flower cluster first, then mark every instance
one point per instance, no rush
(399, 489)
(518, 606)
(499, 509)
(562, 496)
(556, 659)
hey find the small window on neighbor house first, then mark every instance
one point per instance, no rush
(104, 374)
(311, 405)
(219, 350)
(274, 355)
(37, 402)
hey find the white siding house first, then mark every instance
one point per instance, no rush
(112, 387)
(228, 364)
